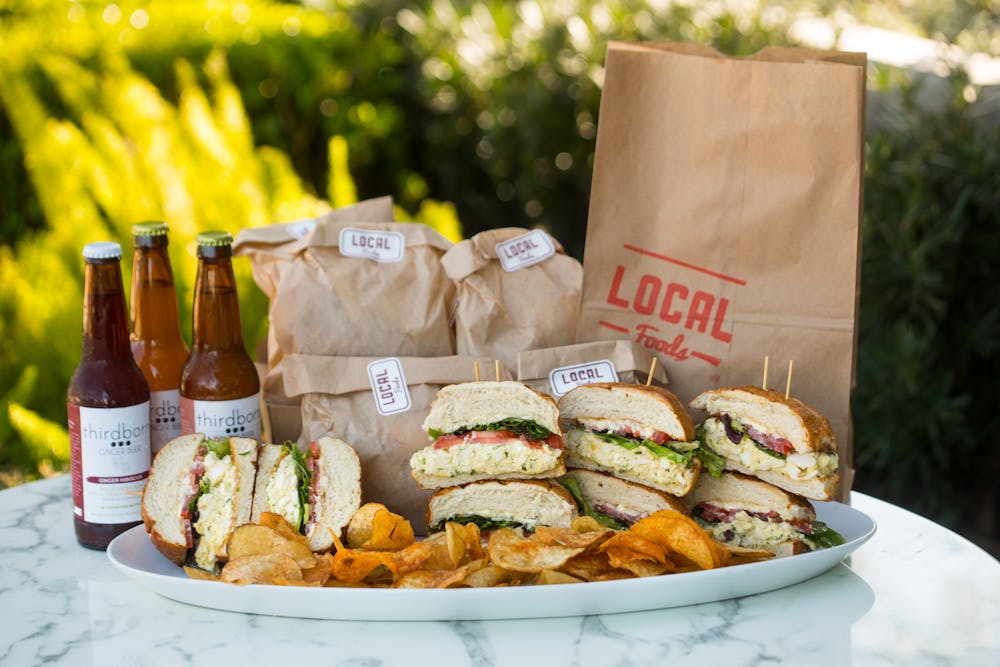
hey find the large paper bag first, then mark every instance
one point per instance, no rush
(516, 290)
(272, 249)
(378, 406)
(724, 218)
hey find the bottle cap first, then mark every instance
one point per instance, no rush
(149, 229)
(102, 250)
(214, 238)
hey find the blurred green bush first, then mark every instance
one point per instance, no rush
(242, 113)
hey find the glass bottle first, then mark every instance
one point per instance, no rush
(220, 389)
(107, 406)
(157, 345)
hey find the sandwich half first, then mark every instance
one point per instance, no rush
(489, 430)
(199, 489)
(317, 491)
(524, 504)
(637, 433)
(780, 440)
(615, 503)
(745, 512)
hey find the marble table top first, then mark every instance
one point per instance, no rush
(915, 594)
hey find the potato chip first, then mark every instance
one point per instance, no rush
(511, 551)
(198, 573)
(645, 568)
(318, 574)
(430, 554)
(593, 566)
(492, 575)
(261, 569)
(390, 532)
(463, 542)
(547, 577)
(568, 537)
(740, 555)
(282, 527)
(437, 578)
(359, 530)
(681, 535)
(587, 524)
(252, 539)
(353, 565)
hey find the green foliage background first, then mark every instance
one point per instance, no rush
(231, 114)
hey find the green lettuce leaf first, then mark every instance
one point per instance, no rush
(683, 458)
(524, 427)
(712, 462)
(824, 536)
(481, 521)
(574, 490)
(304, 477)
(218, 446)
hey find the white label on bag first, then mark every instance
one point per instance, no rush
(238, 418)
(110, 462)
(525, 250)
(561, 380)
(164, 417)
(383, 247)
(389, 386)
(300, 228)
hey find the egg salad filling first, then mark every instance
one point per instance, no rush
(215, 504)
(512, 456)
(748, 531)
(668, 471)
(283, 491)
(803, 467)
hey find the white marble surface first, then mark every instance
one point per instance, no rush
(915, 594)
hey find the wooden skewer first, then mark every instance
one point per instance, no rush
(496, 368)
(763, 384)
(788, 385)
(652, 367)
(475, 364)
(133, 493)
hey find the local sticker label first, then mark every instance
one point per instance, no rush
(239, 417)
(561, 380)
(525, 250)
(389, 386)
(164, 417)
(110, 461)
(300, 228)
(383, 247)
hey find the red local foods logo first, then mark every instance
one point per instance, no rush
(673, 303)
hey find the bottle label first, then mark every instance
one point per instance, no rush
(525, 250)
(239, 417)
(110, 457)
(383, 247)
(164, 417)
(561, 380)
(389, 386)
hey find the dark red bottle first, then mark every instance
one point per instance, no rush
(108, 409)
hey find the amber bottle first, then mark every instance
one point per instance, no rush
(220, 389)
(157, 345)
(107, 406)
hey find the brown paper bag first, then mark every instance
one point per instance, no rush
(724, 218)
(325, 302)
(556, 370)
(363, 401)
(517, 290)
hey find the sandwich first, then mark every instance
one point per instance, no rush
(489, 430)
(745, 512)
(613, 502)
(524, 504)
(316, 491)
(780, 440)
(199, 490)
(637, 433)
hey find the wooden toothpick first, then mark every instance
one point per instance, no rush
(496, 368)
(788, 385)
(763, 383)
(652, 367)
(475, 364)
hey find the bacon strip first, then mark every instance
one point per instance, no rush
(773, 442)
(194, 480)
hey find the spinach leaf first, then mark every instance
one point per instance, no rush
(824, 536)
(304, 477)
(524, 427)
(683, 458)
(481, 521)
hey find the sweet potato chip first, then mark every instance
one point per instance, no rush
(359, 530)
(567, 537)
(511, 551)
(681, 535)
(390, 532)
(353, 565)
(261, 569)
